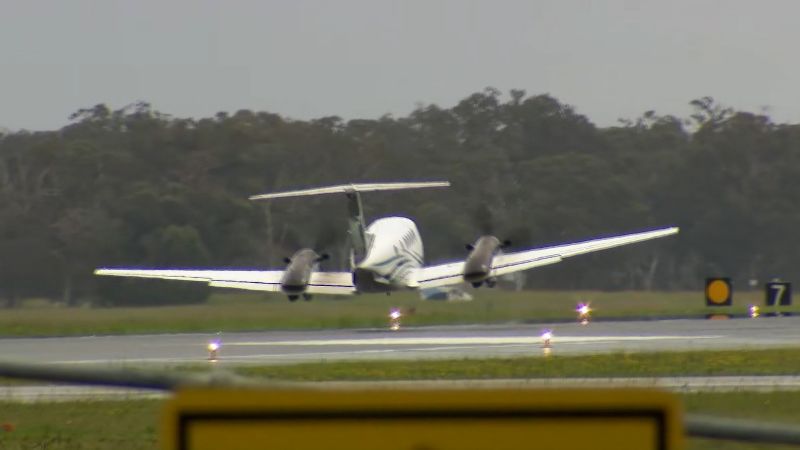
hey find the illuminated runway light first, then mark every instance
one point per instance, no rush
(394, 319)
(755, 311)
(584, 313)
(547, 338)
(213, 349)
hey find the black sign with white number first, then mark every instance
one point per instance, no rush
(778, 293)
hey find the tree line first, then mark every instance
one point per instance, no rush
(136, 187)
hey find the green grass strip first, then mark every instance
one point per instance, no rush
(695, 363)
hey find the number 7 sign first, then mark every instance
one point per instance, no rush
(778, 293)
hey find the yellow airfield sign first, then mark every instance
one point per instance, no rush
(479, 419)
(719, 292)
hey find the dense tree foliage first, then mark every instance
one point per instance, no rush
(137, 187)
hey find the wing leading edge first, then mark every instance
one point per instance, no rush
(502, 264)
(331, 283)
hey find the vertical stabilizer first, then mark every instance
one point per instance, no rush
(356, 227)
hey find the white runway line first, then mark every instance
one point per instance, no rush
(60, 393)
(127, 362)
(467, 340)
(745, 383)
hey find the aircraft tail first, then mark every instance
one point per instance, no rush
(357, 225)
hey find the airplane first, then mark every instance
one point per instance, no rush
(385, 256)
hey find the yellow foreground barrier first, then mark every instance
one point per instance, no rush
(476, 419)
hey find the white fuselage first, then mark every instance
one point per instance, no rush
(393, 256)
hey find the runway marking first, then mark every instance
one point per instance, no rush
(470, 340)
(310, 356)
(764, 383)
(203, 359)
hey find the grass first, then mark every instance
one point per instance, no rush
(82, 425)
(780, 361)
(697, 363)
(134, 424)
(228, 311)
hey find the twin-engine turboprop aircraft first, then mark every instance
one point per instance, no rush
(385, 256)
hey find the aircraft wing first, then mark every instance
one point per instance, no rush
(331, 283)
(452, 273)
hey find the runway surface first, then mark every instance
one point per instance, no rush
(479, 341)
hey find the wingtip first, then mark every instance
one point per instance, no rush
(668, 230)
(260, 196)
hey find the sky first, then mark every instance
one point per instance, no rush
(305, 59)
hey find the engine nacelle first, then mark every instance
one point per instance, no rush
(478, 266)
(298, 272)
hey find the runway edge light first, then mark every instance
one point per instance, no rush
(213, 349)
(395, 316)
(547, 338)
(584, 311)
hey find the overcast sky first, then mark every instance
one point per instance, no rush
(362, 59)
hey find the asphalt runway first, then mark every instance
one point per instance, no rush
(478, 341)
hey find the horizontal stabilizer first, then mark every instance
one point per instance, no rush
(350, 188)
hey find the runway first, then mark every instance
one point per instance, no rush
(478, 341)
